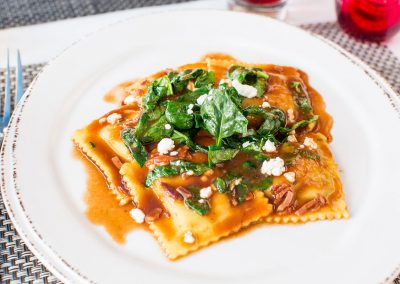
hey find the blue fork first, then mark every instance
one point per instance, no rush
(19, 90)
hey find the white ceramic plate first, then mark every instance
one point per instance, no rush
(43, 185)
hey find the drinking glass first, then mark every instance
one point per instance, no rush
(272, 8)
(373, 20)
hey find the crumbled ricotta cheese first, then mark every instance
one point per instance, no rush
(102, 120)
(173, 153)
(275, 167)
(290, 176)
(190, 173)
(292, 138)
(205, 192)
(113, 118)
(223, 81)
(165, 145)
(310, 143)
(269, 146)
(265, 105)
(188, 237)
(129, 100)
(190, 109)
(290, 115)
(244, 90)
(167, 126)
(200, 100)
(137, 215)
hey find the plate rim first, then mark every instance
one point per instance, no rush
(37, 247)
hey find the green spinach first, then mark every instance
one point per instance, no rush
(250, 76)
(221, 117)
(175, 168)
(136, 148)
(177, 114)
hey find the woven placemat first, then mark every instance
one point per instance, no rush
(19, 265)
(16, 13)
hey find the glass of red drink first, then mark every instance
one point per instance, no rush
(373, 20)
(273, 8)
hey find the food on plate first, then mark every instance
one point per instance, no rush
(208, 148)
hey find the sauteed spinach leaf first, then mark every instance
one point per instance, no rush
(221, 117)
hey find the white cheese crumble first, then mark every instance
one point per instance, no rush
(200, 100)
(190, 173)
(102, 120)
(265, 105)
(173, 153)
(223, 81)
(269, 146)
(190, 109)
(292, 138)
(137, 215)
(244, 90)
(165, 145)
(113, 118)
(188, 237)
(129, 100)
(290, 115)
(290, 176)
(275, 167)
(167, 126)
(205, 192)
(310, 143)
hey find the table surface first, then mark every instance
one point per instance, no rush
(39, 43)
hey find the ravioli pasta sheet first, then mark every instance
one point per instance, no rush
(208, 148)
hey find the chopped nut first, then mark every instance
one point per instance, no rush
(153, 215)
(117, 162)
(283, 196)
(171, 191)
(249, 196)
(184, 192)
(312, 205)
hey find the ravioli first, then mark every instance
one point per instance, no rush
(208, 148)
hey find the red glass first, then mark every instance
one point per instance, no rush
(374, 20)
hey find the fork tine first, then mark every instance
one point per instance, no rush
(7, 98)
(19, 79)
